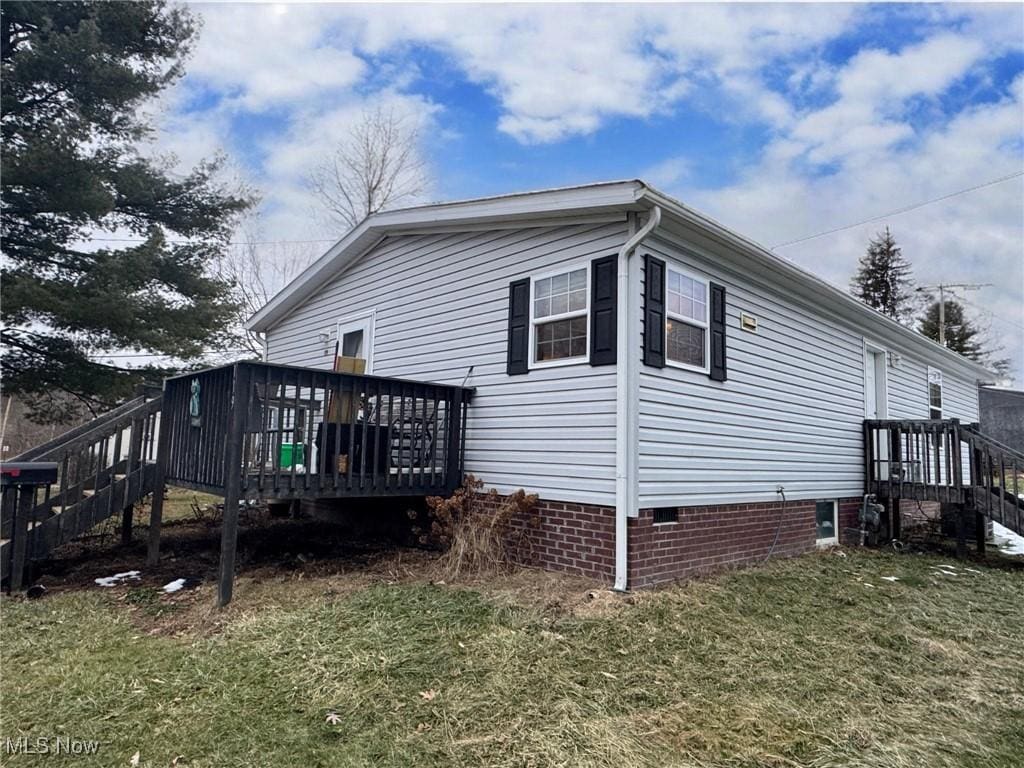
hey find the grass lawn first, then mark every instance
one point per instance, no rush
(815, 661)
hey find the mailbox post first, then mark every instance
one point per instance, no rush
(19, 482)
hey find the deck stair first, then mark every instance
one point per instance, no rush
(104, 467)
(948, 462)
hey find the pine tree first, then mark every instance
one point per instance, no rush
(75, 76)
(883, 279)
(961, 334)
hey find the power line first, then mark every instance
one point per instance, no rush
(189, 242)
(905, 209)
(990, 313)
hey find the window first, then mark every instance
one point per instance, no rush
(827, 521)
(352, 343)
(559, 307)
(355, 339)
(934, 393)
(686, 320)
(665, 515)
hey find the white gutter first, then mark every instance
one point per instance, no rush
(625, 404)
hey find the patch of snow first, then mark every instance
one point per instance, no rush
(1008, 542)
(890, 578)
(118, 578)
(174, 586)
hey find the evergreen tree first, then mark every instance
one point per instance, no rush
(75, 76)
(883, 279)
(962, 335)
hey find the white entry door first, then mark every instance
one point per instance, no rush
(355, 338)
(875, 405)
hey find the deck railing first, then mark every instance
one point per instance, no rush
(288, 432)
(947, 462)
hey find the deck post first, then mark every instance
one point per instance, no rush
(127, 515)
(453, 451)
(961, 532)
(26, 499)
(980, 532)
(156, 508)
(232, 485)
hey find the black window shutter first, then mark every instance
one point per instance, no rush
(654, 312)
(718, 367)
(518, 326)
(603, 309)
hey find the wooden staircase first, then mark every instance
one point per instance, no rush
(947, 462)
(996, 480)
(103, 468)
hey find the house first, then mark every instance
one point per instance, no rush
(679, 397)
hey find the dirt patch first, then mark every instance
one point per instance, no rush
(280, 563)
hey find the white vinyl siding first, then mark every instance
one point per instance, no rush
(790, 413)
(441, 304)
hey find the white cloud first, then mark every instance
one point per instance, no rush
(262, 55)
(976, 237)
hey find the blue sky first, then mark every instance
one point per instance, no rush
(780, 121)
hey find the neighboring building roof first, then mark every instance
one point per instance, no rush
(598, 199)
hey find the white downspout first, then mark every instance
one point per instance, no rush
(624, 405)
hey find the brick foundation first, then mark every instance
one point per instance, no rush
(720, 536)
(580, 538)
(575, 538)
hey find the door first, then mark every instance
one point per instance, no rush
(875, 405)
(355, 338)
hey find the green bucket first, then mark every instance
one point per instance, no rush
(292, 454)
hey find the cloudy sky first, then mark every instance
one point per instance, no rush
(779, 121)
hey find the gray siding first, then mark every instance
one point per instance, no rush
(790, 413)
(441, 304)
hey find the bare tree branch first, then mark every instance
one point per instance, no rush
(376, 165)
(258, 269)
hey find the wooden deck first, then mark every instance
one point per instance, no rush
(283, 432)
(264, 431)
(947, 462)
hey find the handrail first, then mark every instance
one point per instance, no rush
(89, 430)
(298, 369)
(292, 432)
(969, 429)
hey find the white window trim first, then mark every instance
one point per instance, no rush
(831, 540)
(585, 312)
(367, 322)
(706, 325)
(872, 348)
(928, 391)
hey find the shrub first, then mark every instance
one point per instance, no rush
(475, 530)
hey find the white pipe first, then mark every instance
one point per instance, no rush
(625, 404)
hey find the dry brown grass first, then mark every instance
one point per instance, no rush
(798, 663)
(474, 529)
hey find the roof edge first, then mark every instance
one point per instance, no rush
(525, 205)
(850, 306)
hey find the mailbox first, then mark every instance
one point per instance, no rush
(28, 473)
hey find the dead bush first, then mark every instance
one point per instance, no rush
(475, 530)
